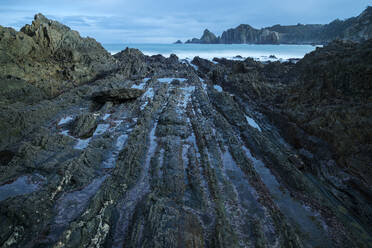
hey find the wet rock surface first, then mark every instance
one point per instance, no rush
(84, 125)
(201, 154)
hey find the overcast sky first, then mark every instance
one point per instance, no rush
(165, 21)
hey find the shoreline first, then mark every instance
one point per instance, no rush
(263, 53)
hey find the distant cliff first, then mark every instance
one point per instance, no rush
(355, 29)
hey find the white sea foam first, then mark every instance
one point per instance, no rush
(229, 51)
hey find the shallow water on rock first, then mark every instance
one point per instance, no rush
(247, 193)
(142, 85)
(218, 88)
(126, 207)
(23, 185)
(70, 205)
(82, 144)
(253, 123)
(65, 120)
(187, 92)
(101, 129)
(248, 197)
(106, 116)
(146, 97)
(113, 155)
(306, 220)
(185, 160)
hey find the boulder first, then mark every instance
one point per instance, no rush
(203, 65)
(117, 95)
(84, 125)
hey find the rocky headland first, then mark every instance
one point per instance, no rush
(356, 29)
(146, 151)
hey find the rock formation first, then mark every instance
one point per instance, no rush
(207, 38)
(355, 29)
(51, 57)
(40, 62)
(157, 152)
(244, 34)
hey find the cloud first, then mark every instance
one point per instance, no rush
(112, 21)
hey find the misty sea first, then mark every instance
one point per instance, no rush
(209, 51)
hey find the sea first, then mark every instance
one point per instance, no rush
(210, 51)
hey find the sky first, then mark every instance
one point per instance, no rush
(165, 21)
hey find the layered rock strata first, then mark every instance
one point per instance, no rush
(161, 152)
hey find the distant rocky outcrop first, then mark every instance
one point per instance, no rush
(355, 29)
(207, 38)
(178, 42)
(244, 34)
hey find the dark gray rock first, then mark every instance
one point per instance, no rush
(117, 95)
(37, 64)
(209, 37)
(54, 57)
(84, 125)
(193, 40)
(133, 62)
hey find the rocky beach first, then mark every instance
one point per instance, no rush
(129, 150)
